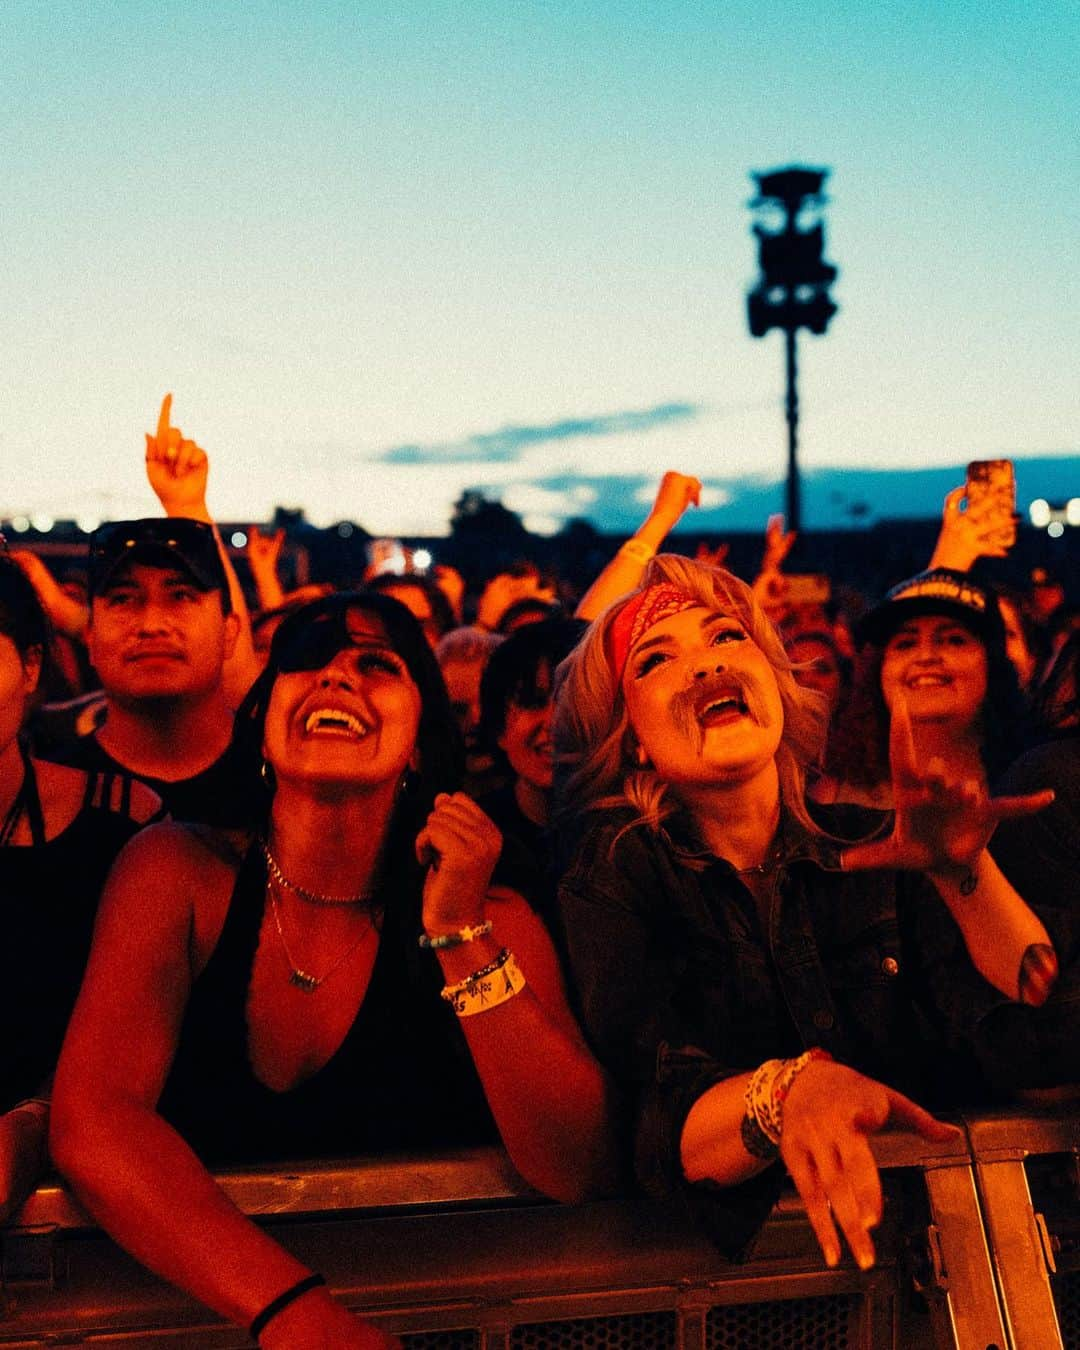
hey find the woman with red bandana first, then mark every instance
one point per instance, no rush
(754, 990)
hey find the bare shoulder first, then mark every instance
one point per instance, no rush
(180, 850)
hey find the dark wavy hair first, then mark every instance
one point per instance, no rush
(438, 742)
(22, 616)
(858, 746)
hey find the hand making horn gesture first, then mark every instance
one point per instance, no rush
(942, 821)
(177, 468)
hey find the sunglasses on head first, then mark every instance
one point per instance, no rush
(176, 533)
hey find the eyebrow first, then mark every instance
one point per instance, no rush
(661, 638)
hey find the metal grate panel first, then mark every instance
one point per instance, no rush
(634, 1331)
(465, 1339)
(1067, 1302)
(826, 1323)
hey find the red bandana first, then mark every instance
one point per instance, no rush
(638, 615)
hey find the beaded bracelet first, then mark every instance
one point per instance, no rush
(486, 988)
(638, 551)
(463, 935)
(260, 1320)
(766, 1092)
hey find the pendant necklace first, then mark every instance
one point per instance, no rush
(303, 979)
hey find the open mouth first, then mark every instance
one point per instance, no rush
(334, 722)
(929, 682)
(721, 710)
(721, 705)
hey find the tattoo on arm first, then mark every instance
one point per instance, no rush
(1038, 972)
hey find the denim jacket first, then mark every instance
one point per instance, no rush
(679, 986)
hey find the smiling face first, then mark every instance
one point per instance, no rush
(154, 634)
(526, 736)
(939, 665)
(702, 700)
(354, 719)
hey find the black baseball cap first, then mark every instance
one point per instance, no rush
(939, 590)
(170, 541)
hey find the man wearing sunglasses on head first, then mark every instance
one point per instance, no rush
(161, 629)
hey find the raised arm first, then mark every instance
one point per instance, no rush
(177, 470)
(130, 1169)
(66, 614)
(676, 492)
(549, 1096)
(942, 827)
(263, 552)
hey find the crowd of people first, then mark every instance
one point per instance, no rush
(689, 882)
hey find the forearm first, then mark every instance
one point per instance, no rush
(625, 570)
(268, 587)
(145, 1187)
(551, 1101)
(711, 1144)
(999, 928)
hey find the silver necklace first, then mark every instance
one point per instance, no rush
(312, 897)
(299, 977)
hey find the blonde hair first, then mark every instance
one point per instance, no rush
(595, 744)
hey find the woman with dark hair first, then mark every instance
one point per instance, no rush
(938, 641)
(291, 977)
(60, 830)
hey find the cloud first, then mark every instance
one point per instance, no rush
(507, 445)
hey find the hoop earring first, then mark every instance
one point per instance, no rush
(266, 773)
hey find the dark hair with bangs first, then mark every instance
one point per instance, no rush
(438, 741)
(22, 615)
(522, 670)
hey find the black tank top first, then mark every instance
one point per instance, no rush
(402, 1078)
(49, 892)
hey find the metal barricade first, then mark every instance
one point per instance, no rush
(455, 1253)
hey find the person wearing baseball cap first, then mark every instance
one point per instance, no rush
(937, 642)
(161, 629)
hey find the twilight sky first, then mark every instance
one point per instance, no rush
(381, 253)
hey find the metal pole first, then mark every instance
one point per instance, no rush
(791, 407)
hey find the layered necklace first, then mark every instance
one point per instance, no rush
(277, 881)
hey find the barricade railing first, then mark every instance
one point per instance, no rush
(977, 1251)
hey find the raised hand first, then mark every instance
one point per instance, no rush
(676, 492)
(829, 1115)
(942, 820)
(716, 556)
(778, 544)
(177, 468)
(462, 846)
(982, 531)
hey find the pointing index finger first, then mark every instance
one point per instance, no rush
(164, 421)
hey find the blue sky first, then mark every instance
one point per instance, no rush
(379, 253)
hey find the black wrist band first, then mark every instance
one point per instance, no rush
(279, 1304)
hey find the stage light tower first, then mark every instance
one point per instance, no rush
(793, 289)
